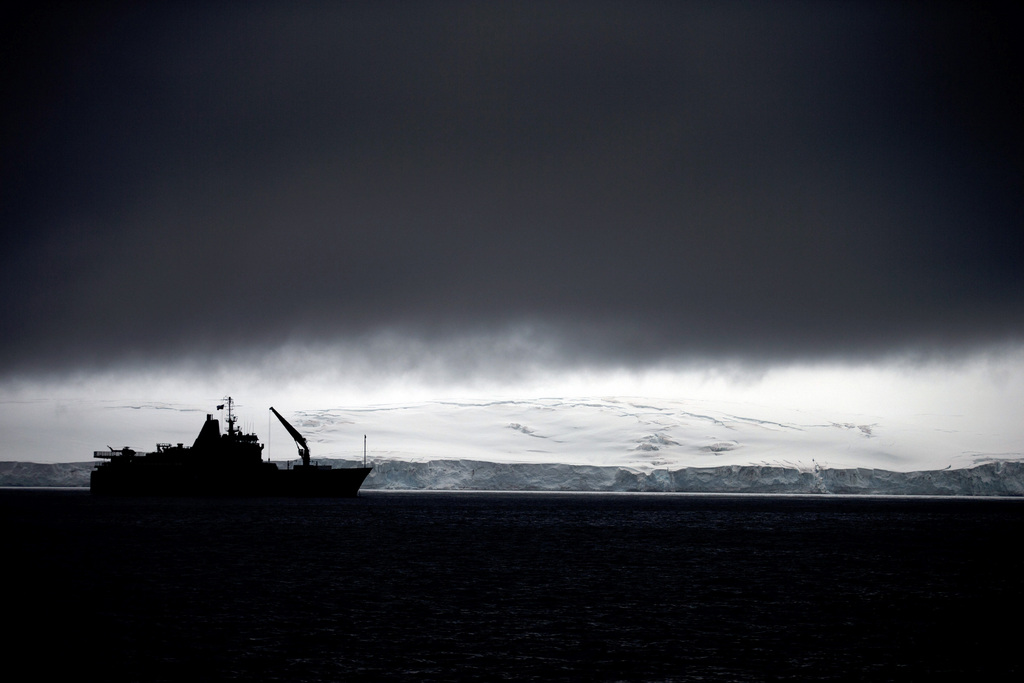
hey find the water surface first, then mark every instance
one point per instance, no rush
(492, 586)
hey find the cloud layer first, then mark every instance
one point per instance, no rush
(616, 184)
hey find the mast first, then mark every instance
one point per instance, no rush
(231, 415)
(300, 441)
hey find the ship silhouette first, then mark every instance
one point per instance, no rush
(220, 464)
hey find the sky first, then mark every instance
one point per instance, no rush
(360, 201)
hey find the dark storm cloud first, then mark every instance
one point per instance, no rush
(641, 181)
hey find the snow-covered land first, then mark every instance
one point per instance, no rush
(601, 444)
(648, 435)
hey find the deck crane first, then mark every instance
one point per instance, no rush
(300, 441)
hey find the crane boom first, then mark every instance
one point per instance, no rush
(300, 440)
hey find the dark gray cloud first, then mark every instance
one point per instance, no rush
(643, 181)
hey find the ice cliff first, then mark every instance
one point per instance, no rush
(1003, 478)
(991, 479)
(48, 474)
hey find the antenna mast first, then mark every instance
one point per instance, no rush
(231, 415)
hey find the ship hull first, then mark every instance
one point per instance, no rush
(176, 480)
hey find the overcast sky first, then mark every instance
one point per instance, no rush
(498, 188)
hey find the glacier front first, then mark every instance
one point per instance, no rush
(990, 479)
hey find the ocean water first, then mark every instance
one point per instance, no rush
(491, 586)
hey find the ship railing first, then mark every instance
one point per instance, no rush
(112, 453)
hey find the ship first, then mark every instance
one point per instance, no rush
(221, 464)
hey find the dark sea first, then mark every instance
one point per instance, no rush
(437, 586)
